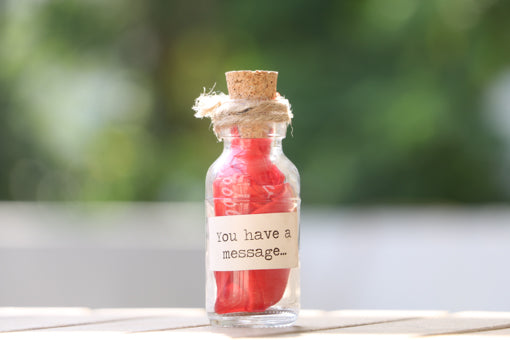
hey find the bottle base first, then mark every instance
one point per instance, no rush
(268, 318)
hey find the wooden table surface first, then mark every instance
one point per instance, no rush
(73, 323)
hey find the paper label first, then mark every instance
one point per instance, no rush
(258, 241)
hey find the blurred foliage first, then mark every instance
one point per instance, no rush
(398, 101)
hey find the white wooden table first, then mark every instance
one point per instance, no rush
(77, 323)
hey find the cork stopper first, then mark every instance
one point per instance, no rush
(252, 84)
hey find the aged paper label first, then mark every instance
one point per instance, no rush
(257, 241)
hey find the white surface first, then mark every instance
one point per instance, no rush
(193, 324)
(151, 255)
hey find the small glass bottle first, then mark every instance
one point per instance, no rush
(252, 207)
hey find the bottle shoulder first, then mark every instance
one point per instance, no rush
(290, 171)
(286, 166)
(215, 167)
(245, 171)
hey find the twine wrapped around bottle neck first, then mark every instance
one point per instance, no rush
(251, 116)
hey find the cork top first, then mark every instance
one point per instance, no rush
(252, 84)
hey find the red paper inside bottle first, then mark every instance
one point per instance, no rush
(249, 183)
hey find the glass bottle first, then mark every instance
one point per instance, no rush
(252, 207)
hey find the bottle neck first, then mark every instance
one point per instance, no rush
(253, 130)
(267, 139)
(253, 146)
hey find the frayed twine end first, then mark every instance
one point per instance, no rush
(207, 103)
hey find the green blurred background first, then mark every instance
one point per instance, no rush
(397, 101)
